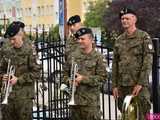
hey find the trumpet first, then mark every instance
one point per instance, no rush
(7, 87)
(75, 69)
(72, 87)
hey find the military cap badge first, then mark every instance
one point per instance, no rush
(13, 29)
(83, 31)
(74, 19)
(126, 10)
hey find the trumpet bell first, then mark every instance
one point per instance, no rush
(5, 101)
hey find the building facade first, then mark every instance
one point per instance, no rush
(79, 7)
(36, 13)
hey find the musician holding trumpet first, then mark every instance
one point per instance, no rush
(13, 79)
(18, 71)
(90, 73)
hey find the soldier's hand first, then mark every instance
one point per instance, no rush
(136, 90)
(5, 77)
(71, 83)
(79, 78)
(13, 80)
(115, 93)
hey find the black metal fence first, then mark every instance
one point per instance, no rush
(156, 76)
(50, 103)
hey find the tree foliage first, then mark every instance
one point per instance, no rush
(99, 15)
(94, 18)
(54, 32)
(146, 10)
(96, 11)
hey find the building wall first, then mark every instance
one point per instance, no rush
(78, 7)
(39, 13)
(74, 7)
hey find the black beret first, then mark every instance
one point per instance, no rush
(13, 29)
(83, 31)
(74, 19)
(126, 10)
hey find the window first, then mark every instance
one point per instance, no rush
(21, 12)
(51, 10)
(42, 10)
(47, 10)
(29, 11)
(39, 11)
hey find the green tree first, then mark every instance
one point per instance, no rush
(94, 18)
(96, 11)
(1, 27)
(54, 32)
(105, 14)
(147, 12)
(52, 35)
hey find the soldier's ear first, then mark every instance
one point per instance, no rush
(21, 32)
(135, 18)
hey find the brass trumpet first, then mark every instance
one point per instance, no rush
(7, 87)
(72, 101)
(72, 87)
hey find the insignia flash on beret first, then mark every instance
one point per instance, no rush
(83, 31)
(150, 46)
(13, 29)
(122, 12)
(126, 10)
(74, 19)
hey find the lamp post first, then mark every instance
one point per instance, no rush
(63, 18)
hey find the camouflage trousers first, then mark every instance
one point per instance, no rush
(79, 112)
(20, 109)
(143, 100)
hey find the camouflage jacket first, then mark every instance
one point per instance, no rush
(132, 61)
(93, 66)
(71, 46)
(26, 68)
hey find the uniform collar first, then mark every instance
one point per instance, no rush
(133, 35)
(93, 50)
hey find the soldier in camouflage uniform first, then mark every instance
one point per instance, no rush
(74, 23)
(91, 73)
(20, 52)
(132, 63)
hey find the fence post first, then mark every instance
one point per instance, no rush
(155, 76)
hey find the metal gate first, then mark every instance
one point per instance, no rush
(49, 102)
(156, 76)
